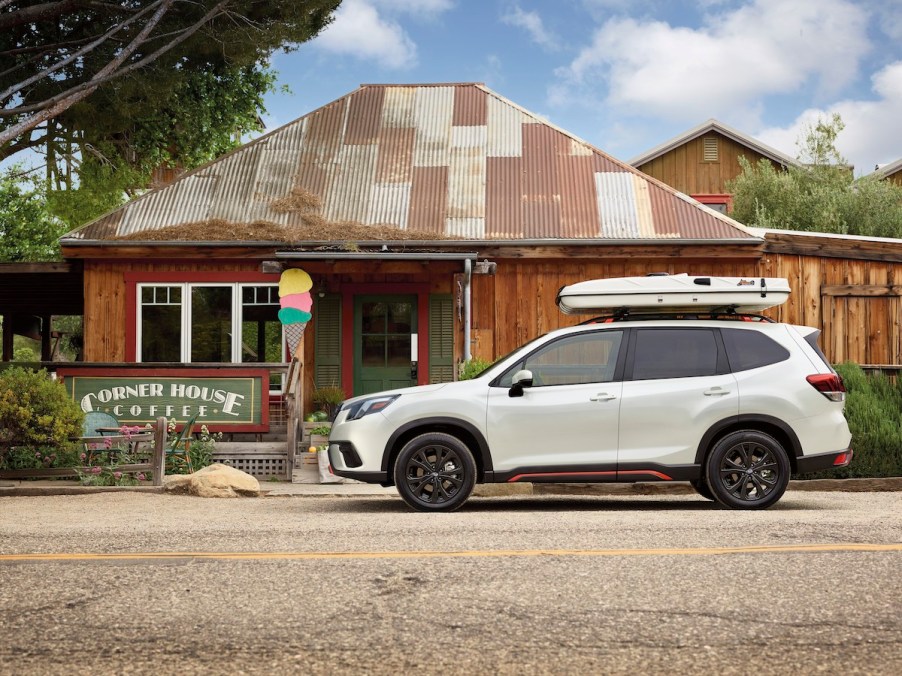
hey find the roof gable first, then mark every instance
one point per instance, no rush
(452, 160)
(713, 125)
(888, 170)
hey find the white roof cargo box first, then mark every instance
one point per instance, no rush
(673, 293)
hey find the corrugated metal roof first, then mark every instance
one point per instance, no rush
(452, 159)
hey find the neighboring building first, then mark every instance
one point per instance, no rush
(700, 162)
(891, 172)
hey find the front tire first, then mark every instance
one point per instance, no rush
(747, 470)
(435, 472)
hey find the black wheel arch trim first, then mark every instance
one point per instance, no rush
(429, 424)
(744, 419)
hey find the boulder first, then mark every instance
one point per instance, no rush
(215, 481)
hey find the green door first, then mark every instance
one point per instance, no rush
(382, 329)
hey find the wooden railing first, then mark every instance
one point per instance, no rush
(155, 466)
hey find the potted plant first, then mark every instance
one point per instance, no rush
(328, 399)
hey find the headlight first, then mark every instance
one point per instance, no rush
(372, 405)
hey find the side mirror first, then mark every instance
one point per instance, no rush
(520, 380)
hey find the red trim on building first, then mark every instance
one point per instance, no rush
(713, 198)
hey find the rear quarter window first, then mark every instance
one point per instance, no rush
(751, 349)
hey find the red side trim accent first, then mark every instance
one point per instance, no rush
(650, 472)
(518, 477)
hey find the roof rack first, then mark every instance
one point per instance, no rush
(721, 314)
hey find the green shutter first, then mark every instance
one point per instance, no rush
(441, 338)
(327, 350)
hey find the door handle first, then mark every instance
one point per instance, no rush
(602, 396)
(716, 392)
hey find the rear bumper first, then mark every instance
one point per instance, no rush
(816, 463)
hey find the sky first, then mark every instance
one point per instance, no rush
(628, 75)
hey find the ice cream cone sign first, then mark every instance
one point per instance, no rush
(296, 305)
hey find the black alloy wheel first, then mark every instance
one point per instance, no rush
(435, 472)
(748, 470)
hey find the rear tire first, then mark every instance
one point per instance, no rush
(747, 470)
(701, 487)
(435, 472)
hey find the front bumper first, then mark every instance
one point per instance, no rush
(343, 459)
(821, 461)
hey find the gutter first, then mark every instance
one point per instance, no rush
(409, 243)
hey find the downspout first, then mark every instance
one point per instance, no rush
(468, 273)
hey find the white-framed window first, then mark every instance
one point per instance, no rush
(209, 322)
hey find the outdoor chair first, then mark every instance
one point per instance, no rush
(178, 451)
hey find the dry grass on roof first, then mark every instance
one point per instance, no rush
(314, 229)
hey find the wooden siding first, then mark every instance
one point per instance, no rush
(684, 167)
(857, 304)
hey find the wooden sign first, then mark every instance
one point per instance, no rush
(232, 400)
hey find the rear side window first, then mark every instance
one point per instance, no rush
(811, 339)
(751, 349)
(674, 353)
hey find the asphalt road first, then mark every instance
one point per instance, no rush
(136, 583)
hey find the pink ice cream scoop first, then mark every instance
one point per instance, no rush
(297, 301)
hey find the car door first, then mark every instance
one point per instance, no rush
(566, 422)
(676, 386)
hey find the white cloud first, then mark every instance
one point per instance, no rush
(359, 31)
(532, 23)
(425, 8)
(721, 68)
(871, 134)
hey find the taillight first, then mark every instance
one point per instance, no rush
(843, 459)
(828, 384)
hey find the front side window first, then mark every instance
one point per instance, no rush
(217, 323)
(674, 353)
(574, 360)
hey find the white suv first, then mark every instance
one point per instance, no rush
(731, 406)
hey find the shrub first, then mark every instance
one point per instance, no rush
(472, 368)
(329, 399)
(874, 412)
(35, 411)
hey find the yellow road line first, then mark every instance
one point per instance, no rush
(497, 553)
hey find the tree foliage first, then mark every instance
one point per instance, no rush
(821, 195)
(27, 230)
(110, 90)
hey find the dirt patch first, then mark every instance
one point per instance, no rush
(314, 229)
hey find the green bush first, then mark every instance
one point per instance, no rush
(874, 412)
(472, 368)
(35, 411)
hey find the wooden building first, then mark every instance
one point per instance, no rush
(437, 222)
(701, 161)
(891, 172)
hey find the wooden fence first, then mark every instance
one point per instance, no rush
(155, 464)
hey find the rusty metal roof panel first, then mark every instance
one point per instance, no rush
(504, 133)
(389, 204)
(433, 111)
(455, 159)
